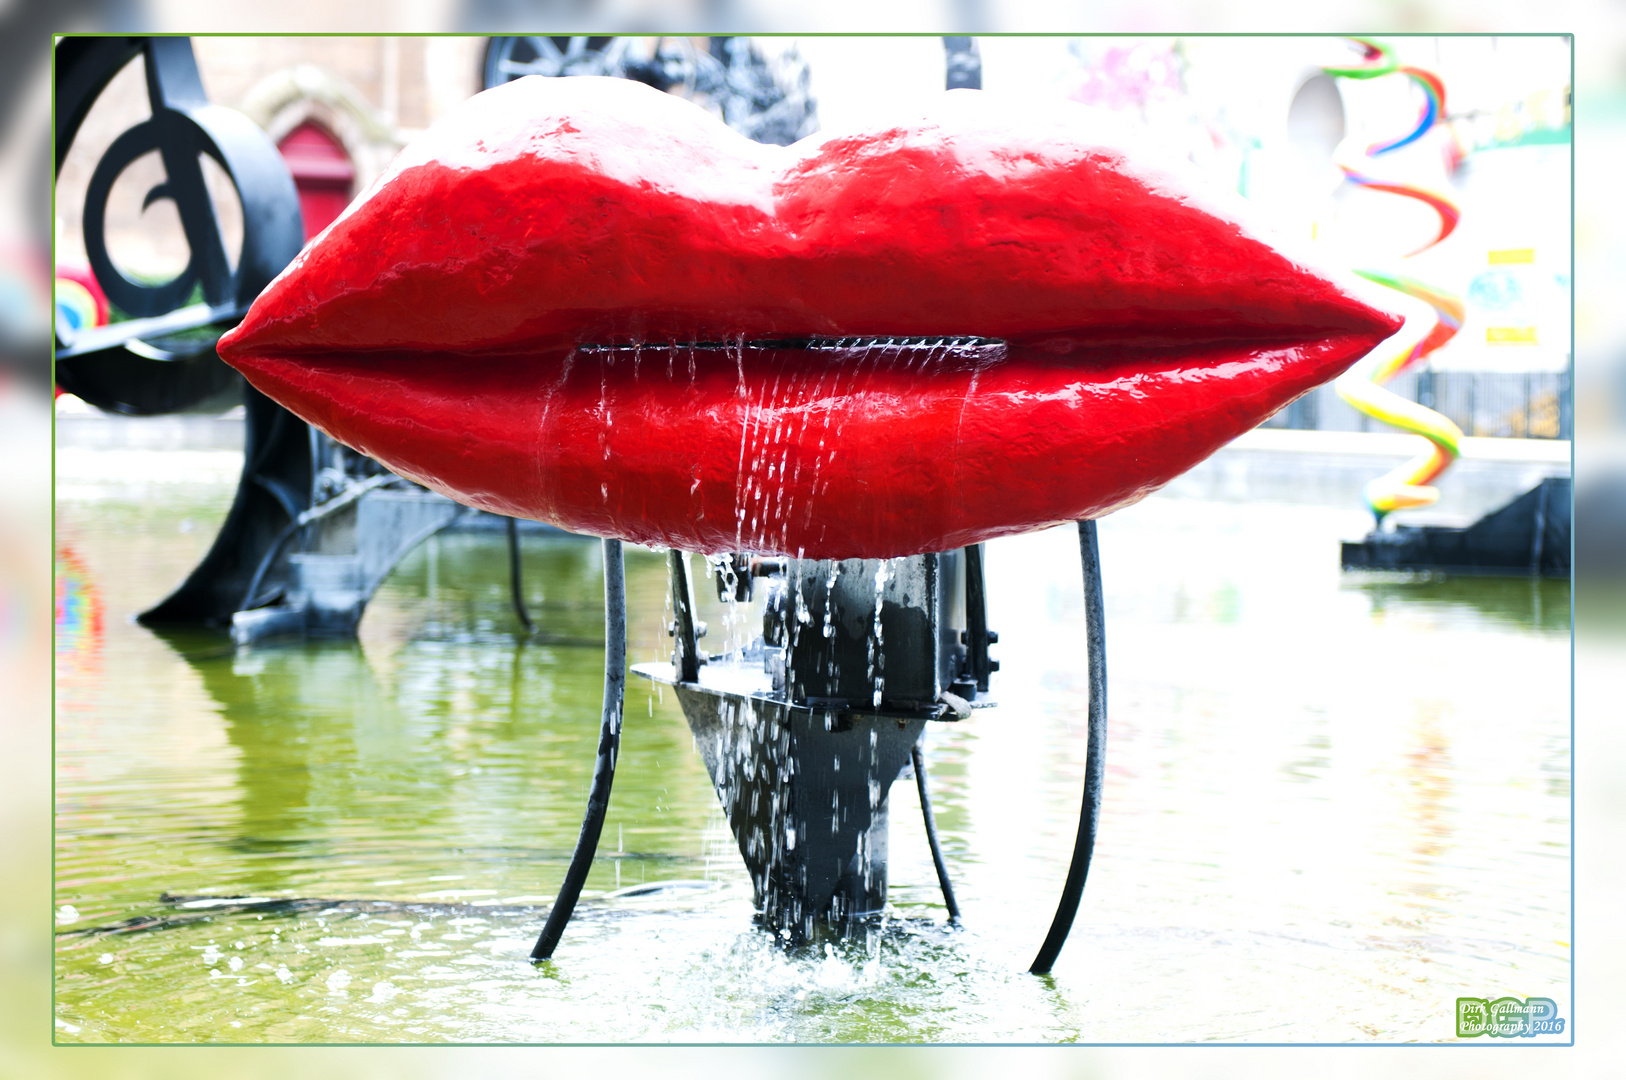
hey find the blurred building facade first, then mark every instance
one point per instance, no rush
(1257, 116)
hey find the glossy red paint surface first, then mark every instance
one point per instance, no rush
(438, 325)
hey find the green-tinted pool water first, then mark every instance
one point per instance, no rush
(1333, 806)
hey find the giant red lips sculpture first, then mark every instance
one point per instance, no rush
(587, 302)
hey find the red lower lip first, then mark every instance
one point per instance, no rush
(820, 452)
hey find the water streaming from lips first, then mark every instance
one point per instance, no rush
(793, 408)
(778, 398)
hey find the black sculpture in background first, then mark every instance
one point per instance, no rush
(762, 101)
(314, 527)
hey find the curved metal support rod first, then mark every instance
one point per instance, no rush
(609, 747)
(516, 583)
(1094, 763)
(919, 761)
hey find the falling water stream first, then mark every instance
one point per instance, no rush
(1302, 839)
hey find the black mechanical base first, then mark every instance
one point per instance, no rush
(805, 730)
(1529, 537)
(805, 791)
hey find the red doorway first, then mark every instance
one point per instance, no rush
(322, 173)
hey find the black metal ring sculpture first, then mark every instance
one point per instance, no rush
(100, 365)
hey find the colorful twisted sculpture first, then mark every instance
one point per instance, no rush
(1363, 385)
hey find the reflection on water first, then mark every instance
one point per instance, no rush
(1516, 602)
(1333, 806)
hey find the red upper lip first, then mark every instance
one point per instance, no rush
(553, 213)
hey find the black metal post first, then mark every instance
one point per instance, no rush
(516, 580)
(609, 747)
(976, 619)
(964, 63)
(1538, 537)
(1094, 763)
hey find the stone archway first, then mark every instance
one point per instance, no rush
(308, 99)
(323, 173)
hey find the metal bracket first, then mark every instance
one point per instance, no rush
(358, 537)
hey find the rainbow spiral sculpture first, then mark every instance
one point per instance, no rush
(1362, 386)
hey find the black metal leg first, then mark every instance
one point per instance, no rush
(274, 490)
(919, 760)
(609, 747)
(516, 580)
(1094, 763)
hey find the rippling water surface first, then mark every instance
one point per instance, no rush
(1333, 804)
